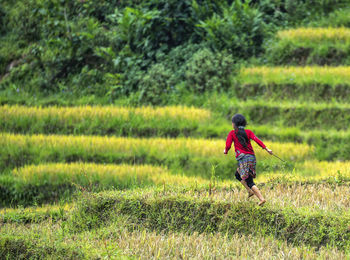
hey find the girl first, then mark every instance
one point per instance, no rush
(245, 155)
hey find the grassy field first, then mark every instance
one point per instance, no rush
(123, 197)
(116, 181)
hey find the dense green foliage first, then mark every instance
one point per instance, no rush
(114, 48)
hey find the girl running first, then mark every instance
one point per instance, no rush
(245, 155)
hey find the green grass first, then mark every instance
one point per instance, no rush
(305, 116)
(169, 121)
(123, 240)
(35, 214)
(311, 46)
(312, 84)
(188, 213)
(299, 220)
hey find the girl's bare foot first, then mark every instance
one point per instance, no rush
(262, 202)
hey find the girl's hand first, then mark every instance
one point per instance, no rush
(225, 151)
(269, 151)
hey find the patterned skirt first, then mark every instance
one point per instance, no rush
(246, 166)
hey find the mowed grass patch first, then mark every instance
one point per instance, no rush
(188, 155)
(105, 120)
(190, 214)
(310, 83)
(301, 46)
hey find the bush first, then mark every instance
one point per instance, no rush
(154, 85)
(166, 75)
(195, 66)
(240, 30)
(338, 18)
(208, 71)
(296, 12)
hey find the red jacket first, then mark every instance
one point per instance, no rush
(239, 148)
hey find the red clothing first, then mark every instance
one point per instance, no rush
(239, 148)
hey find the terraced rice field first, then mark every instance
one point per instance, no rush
(122, 182)
(310, 46)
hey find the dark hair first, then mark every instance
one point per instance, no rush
(240, 123)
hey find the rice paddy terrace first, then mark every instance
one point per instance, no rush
(152, 182)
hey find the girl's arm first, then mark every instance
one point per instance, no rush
(259, 142)
(229, 140)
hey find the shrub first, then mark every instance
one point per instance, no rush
(207, 71)
(338, 18)
(239, 30)
(154, 86)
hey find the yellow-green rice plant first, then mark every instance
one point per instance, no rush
(309, 83)
(48, 182)
(303, 115)
(306, 46)
(316, 34)
(34, 214)
(188, 155)
(104, 175)
(77, 114)
(321, 170)
(140, 121)
(296, 76)
(324, 169)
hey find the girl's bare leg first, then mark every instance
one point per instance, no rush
(258, 194)
(251, 193)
